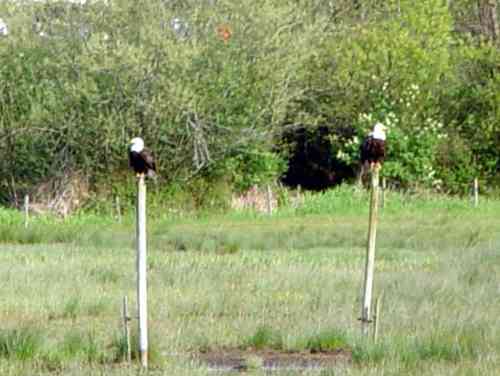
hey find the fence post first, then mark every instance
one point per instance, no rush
(26, 210)
(476, 192)
(370, 251)
(269, 199)
(141, 271)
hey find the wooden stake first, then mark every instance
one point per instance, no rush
(142, 306)
(476, 192)
(118, 209)
(376, 319)
(269, 198)
(126, 329)
(26, 210)
(370, 251)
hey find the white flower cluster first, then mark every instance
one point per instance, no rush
(342, 156)
(430, 177)
(352, 141)
(432, 127)
(391, 120)
(348, 150)
(366, 118)
(4, 30)
(409, 96)
(429, 171)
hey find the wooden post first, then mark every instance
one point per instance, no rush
(142, 306)
(126, 329)
(118, 209)
(269, 199)
(299, 196)
(26, 210)
(370, 251)
(476, 192)
(376, 318)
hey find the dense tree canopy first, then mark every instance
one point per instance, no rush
(217, 88)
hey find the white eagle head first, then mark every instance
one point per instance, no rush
(137, 144)
(379, 131)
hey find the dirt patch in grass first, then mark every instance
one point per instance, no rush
(242, 360)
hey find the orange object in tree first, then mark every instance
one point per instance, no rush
(224, 32)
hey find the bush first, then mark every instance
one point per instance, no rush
(84, 79)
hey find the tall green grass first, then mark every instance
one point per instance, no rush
(287, 282)
(335, 218)
(24, 343)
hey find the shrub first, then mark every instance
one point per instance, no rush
(21, 344)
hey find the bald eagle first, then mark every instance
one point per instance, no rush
(141, 159)
(373, 147)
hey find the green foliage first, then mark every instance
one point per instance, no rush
(471, 107)
(456, 164)
(36, 233)
(449, 347)
(22, 344)
(85, 79)
(369, 354)
(304, 287)
(414, 134)
(119, 348)
(444, 346)
(332, 340)
(254, 168)
(71, 309)
(264, 338)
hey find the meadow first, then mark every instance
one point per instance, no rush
(289, 283)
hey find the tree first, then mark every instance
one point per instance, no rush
(488, 18)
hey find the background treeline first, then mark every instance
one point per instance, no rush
(237, 92)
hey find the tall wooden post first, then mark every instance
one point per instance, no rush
(26, 210)
(476, 192)
(269, 200)
(142, 305)
(370, 251)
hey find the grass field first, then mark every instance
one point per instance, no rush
(290, 282)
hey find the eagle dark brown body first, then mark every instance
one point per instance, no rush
(372, 151)
(143, 162)
(141, 159)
